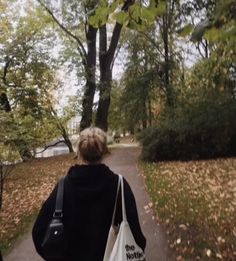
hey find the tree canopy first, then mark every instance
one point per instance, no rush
(155, 42)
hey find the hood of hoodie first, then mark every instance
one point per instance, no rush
(90, 181)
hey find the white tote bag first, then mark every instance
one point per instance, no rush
(121, 245)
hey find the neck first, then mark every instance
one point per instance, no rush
(84, 162)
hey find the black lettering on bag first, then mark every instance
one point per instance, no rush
(131, 254)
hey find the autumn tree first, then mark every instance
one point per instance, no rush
(154, 67)
(140, 83)
(28, 82)
(93, 18)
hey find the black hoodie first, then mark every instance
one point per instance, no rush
(89, 196)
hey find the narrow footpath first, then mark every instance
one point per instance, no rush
(123, 160)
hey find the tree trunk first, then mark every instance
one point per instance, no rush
(105, 60)
(167, 23)
(4, 103)
(90, 87)
(105, 81)
(104, 100)
(67, 141)
(62, 130)
(167, 62)
(26, 155)
(144, 111)
(149, 112)
(65, 137)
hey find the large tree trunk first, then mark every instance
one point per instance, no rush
(105, 60)
(105, 81)
(104, 100)
(90, 87)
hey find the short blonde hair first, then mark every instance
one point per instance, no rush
(92, 145)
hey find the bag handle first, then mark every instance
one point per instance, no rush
(115, 206)
(58, 213)
(123, 199)
(120, 184)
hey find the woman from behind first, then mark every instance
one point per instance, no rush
(90, 189)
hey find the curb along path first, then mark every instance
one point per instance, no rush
(123, 160)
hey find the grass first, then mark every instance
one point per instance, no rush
(24, 191)
(197, 202)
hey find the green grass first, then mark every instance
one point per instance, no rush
(196, 200)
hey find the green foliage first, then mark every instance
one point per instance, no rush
(100, 17)
(220, 25)
(28, 82)
(133, 99)
(202, 124)
(186, 30)
(138, 17)
(121, 17)
(202, 132)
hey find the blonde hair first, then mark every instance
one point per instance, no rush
(92, 145)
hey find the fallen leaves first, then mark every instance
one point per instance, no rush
(148, 207)
(25, 189)
(197, 202)
(208, 252)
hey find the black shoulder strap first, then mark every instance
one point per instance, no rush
(59, 201)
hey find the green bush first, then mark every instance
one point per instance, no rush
(199, 131)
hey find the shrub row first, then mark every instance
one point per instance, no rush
(207, 131)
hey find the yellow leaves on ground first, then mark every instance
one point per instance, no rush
(197, 202)
(25, 190)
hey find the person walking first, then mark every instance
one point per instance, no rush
(90, 189)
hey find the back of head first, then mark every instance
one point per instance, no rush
(92, 145)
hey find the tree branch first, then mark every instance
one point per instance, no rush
(49, 146)
(199, 50)
(152, 42)
(113, 43)
(116, 35)
(81, 48)
(115, 56)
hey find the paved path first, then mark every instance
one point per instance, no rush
(123, 160)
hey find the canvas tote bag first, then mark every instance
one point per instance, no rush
(121, 245)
